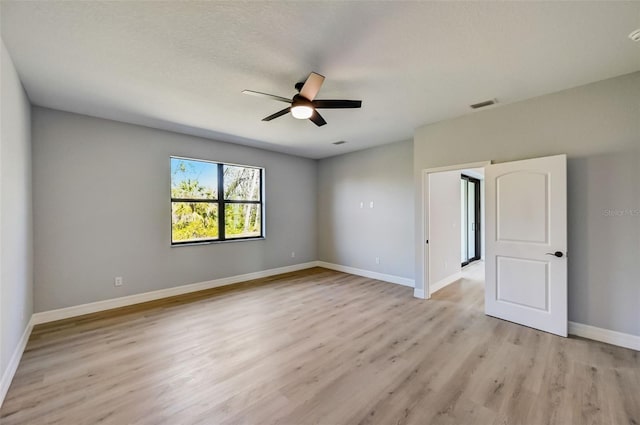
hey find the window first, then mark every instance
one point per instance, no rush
(470, 219)
(212, 201)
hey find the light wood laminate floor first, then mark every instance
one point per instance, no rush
(317, 347)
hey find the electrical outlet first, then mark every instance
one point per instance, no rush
(293, 254)
(118, 281)
(371, 204)
(361, 204)
(377, 260)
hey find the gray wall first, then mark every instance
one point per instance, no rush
(16, 249)
(352, 236)
(444, 225)
(598, 127)
(101, 209)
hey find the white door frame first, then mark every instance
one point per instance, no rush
(424, 292)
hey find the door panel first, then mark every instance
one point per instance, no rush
(522, 218)
(523, 282)
(526, 223)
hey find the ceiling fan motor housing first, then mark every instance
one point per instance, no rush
(299, 100)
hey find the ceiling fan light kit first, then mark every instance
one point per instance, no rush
(302, 112)
(303, 105)
(301, 108)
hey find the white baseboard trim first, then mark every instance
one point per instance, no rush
(367, 273)
(444, 282)
(79, 310)
(419, 293)
(605, 335)
(12, 367)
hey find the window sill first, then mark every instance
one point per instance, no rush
(178, 245)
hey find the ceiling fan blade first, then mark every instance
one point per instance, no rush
(269, 96)
(317, 119)
(277, 114)
(337, 104)
(312, 86)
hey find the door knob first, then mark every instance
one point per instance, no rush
(558, 254)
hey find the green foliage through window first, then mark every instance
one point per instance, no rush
(196, 206)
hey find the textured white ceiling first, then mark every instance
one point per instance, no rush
(182, 65)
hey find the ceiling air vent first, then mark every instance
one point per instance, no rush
(484, 104)
(341, 142)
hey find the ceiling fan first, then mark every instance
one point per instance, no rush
(304, 104)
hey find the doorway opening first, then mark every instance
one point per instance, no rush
(454, 223)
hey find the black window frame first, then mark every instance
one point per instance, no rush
(221, 202)
(477, 243)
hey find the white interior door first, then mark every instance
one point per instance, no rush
(526, 242)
